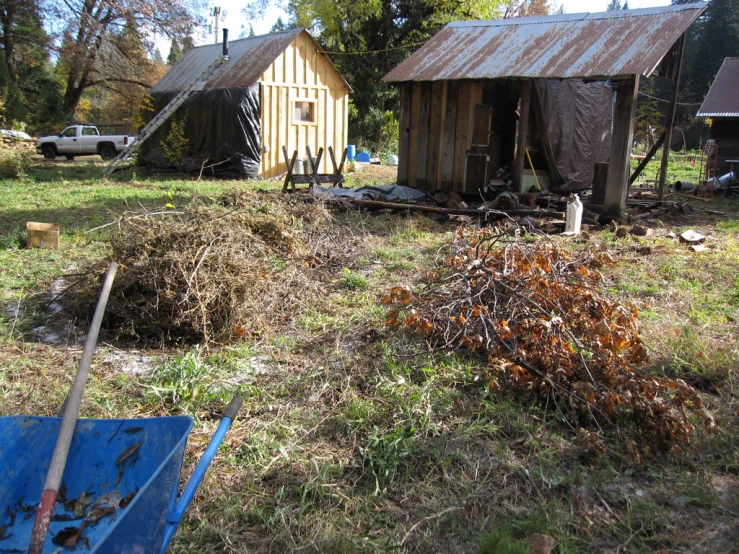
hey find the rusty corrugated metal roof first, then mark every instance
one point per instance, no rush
(722, 99)
(585, 45)
(249, 58)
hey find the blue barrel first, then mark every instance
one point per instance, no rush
(351, 151)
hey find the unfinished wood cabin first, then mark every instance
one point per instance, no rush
(456, 134)
(305, 102)
(275, 90)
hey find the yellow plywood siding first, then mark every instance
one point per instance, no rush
(302, 74)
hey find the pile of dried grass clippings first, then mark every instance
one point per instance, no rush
(217, 270)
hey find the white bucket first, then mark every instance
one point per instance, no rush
(574, 216)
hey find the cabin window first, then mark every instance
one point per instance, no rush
(89, 131)
(70, 132)
(304, 111)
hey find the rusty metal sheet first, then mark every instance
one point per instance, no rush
(249, 59)
(722, 99)
(586, 45)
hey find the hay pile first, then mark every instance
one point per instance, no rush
(236, 267)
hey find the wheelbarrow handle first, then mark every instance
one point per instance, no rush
(188, 493)
(233, 407)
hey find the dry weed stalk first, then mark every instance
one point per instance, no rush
(548, 329)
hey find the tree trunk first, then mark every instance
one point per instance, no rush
(8, 19)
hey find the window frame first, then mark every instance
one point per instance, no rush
(314, 111)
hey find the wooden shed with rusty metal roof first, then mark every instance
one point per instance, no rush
(276, 90)
(466, 106)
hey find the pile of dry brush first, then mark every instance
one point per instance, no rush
(548, 330)
(234, 267)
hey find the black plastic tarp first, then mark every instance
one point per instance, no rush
(384, 193)
(576, 118)
(223, 131)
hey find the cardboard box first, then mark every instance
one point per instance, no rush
(42, 235)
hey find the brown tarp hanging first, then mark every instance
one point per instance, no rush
(576, 119)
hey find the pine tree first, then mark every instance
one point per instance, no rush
(175, 52)
(709, 40)
(29, 88)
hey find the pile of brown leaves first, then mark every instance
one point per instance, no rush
(548, 330)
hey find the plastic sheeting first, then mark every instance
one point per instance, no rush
(384, 193)
(222, 126)
(576, 119)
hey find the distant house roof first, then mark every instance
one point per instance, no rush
(722, 99)
(584, 45)
(249, 59)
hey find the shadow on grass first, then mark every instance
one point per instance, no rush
(77, 219)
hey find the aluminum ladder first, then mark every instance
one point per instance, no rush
(165, 113)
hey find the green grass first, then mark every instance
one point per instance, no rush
(351, 280)
(353, 437)
(501, 542)
(728, 225)
(678, 169)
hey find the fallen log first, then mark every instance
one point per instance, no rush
(692, 197)
(645, 215)
(451, 211)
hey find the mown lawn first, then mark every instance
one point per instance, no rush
(353, 437)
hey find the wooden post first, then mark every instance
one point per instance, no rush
(405, 133)
(317, 164)
(339, 171)
(290, 164)
(670, 122)
(333, 158)
(600, 179)
(523, 127)
(623, 135)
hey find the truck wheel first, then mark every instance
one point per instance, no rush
(49, 152)
(69, 156)
(107, 152)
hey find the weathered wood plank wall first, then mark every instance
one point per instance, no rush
(437, 122)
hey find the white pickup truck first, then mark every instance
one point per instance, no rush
(82, 140)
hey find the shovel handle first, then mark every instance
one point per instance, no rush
(71, 410)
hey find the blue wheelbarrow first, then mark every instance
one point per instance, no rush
(119, 487)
